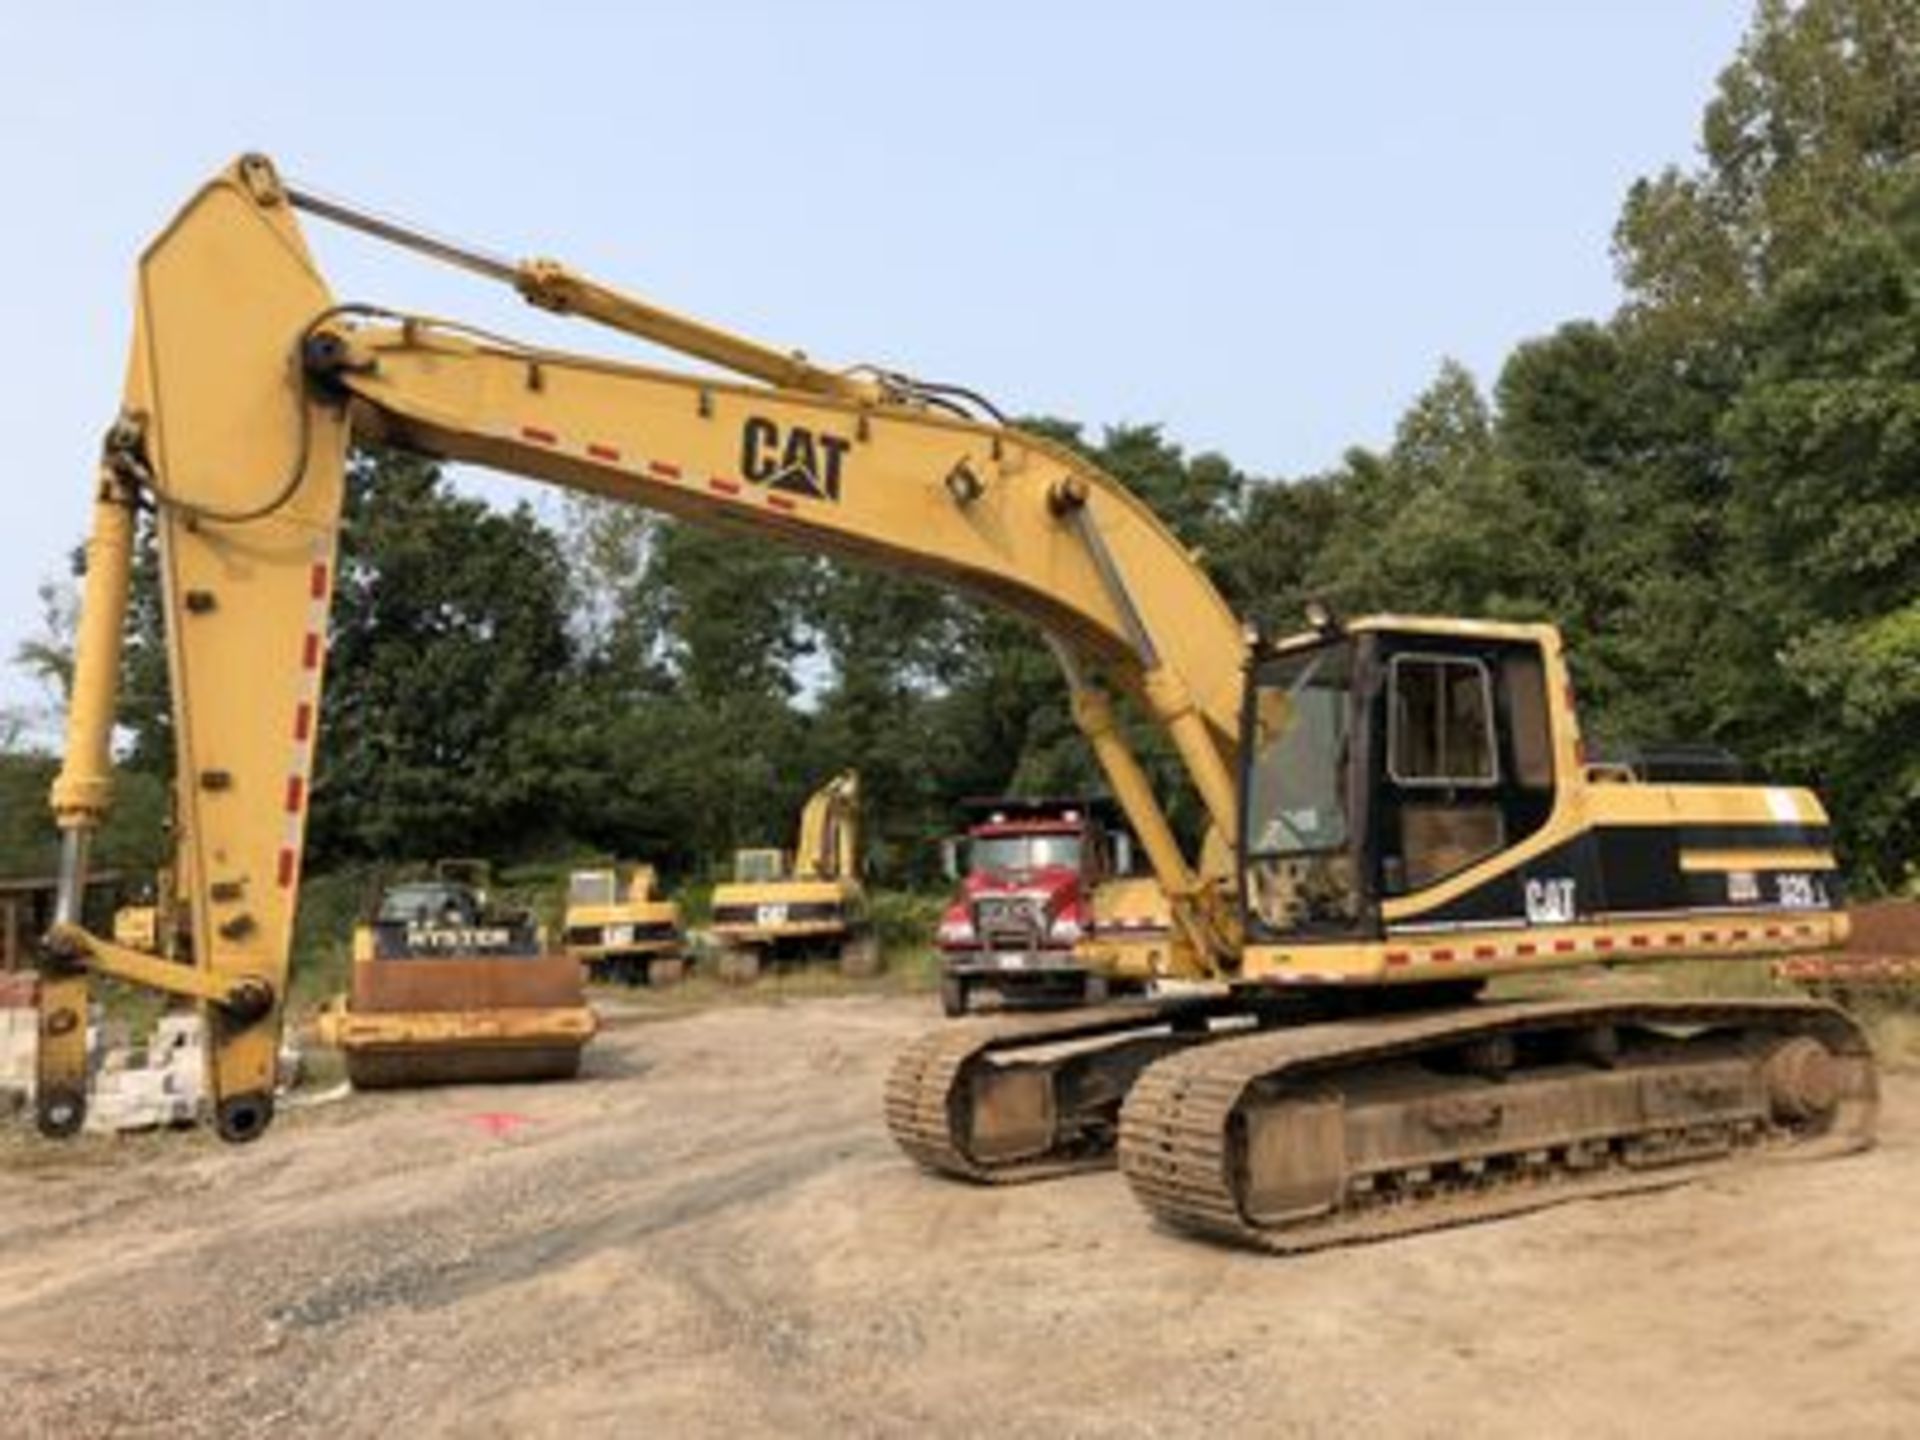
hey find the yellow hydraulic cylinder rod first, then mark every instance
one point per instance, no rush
(553, 286)
(1093, 713)
(82, 794)
(83, 791)
(1169, 696)
(1173, 706)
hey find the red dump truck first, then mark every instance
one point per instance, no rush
(1026, 871)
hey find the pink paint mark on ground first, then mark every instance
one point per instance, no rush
(498, 1123)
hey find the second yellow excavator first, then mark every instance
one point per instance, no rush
(619, 927)
(1397, 809)
(809, 902)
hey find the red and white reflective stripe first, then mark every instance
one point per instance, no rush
(1411, 952)
(306, 711)
(599, 452)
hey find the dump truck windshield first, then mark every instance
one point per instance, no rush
(1023, 852)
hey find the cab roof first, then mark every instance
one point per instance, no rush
(1440, 625)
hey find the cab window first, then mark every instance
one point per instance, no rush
(1440, 722)
(590, 887)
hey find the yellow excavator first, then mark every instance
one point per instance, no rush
(620, 929)
(781, 907)
(1398, 810)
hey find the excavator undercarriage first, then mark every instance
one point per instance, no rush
(1283, 1127)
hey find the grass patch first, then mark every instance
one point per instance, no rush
(910, 970)
(330, 905)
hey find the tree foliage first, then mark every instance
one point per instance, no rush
(450, 635)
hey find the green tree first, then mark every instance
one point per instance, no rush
(729, 614)
(449, 641)
(1824, 522)
(1812, 127)
(1436, 525)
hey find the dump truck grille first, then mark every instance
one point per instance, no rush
(1009, 920)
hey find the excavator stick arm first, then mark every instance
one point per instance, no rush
(245, 471)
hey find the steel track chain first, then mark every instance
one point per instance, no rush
(1177, 1125)
(927, 1082)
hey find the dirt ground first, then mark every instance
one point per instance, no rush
(713, 1235)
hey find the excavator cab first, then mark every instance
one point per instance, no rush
(760, 867)
(1383, 762)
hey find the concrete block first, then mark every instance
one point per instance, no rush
(112, 1111)
(19, 1049)
(142, 1097)
(171, 1032)
(132, 1087)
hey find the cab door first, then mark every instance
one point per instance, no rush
(1463, 767)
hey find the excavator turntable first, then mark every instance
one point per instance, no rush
(1399, 811)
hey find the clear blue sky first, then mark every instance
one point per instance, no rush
(1261, 224)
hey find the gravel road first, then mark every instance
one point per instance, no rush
(712, 1235)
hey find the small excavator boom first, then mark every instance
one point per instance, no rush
(829, 842)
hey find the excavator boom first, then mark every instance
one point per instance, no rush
(246, 384)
